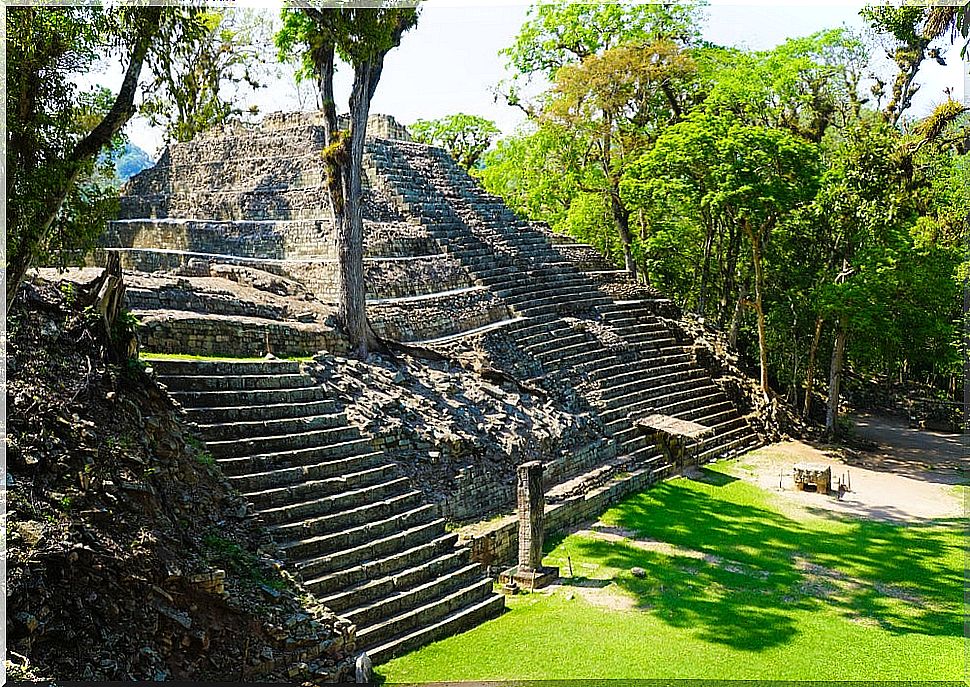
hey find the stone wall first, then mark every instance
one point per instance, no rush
(583, 256)
(165, 332)
(267, 240)
(478, 493)
(437, 315)
(385, 278)
(378, 125)
(257, 204)
(496, 544)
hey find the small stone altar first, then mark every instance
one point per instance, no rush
(530, 573)
(673, 435)
(813, 477)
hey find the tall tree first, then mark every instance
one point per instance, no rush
(561, 33)
(749, 177)
(464, 136)
(617, 102)
(200, 79)
(55, 131)
(362, 37)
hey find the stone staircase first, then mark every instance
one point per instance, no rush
(644, 372)
(345, 518)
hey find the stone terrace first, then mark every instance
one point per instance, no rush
(230, 250)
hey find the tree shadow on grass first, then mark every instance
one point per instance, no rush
(747, 568)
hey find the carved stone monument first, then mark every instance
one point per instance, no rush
(814, 476)
(530, 573)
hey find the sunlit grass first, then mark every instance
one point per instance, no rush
(735, 588)
(148, 357)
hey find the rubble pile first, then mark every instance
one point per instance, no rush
(439, 420)
(129, 556)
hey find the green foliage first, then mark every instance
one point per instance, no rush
(47, 114)
(359, 34)
(203, 69)
(735, 170)
(535, 172)
(464, 136)
(560, 33)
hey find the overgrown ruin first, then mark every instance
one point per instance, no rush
(531, 348)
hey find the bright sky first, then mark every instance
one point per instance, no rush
(449, 63)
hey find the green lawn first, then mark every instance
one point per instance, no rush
(148, 357)
(735, 587)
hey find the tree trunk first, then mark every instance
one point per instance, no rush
(810, 373)
(730, 270)
(643, 244)
(34, 229)
(835, 377)
(736, 316)
(705, 272)
(352, 304)
(621, 217)
(106, 296)
(755, 239)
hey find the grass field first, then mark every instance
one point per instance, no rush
(737, 586)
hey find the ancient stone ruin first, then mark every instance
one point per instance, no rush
(542, 351)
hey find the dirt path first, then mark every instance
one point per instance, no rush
(919, 454)
(876, 492)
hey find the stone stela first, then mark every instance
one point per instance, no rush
(529, 573)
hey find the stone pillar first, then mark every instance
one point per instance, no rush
(532, 505)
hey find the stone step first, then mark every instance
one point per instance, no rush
(256, 481)
(565, 283)
(300, 492)
(242, 429)
(411, 619)
(400, 601)
(356, 535)
(647, 457)
(714, 416)
(584, 356)
(640, 383)
(641, 407)
(174, 367)
(648, 371)
(331, 503)
(234, 448)
(534, 331)
(205, 382)
(560, 304)
(644, 333)
(264, 462)
(318, 566)
(550, 343)
(664, 393)
(332, 522)
(451, 624)
(556, 355)
(738, 442)
(271, 411)
(250, 397)
(681, 404)
(364, 592)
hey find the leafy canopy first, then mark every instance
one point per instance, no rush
(464, 136)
